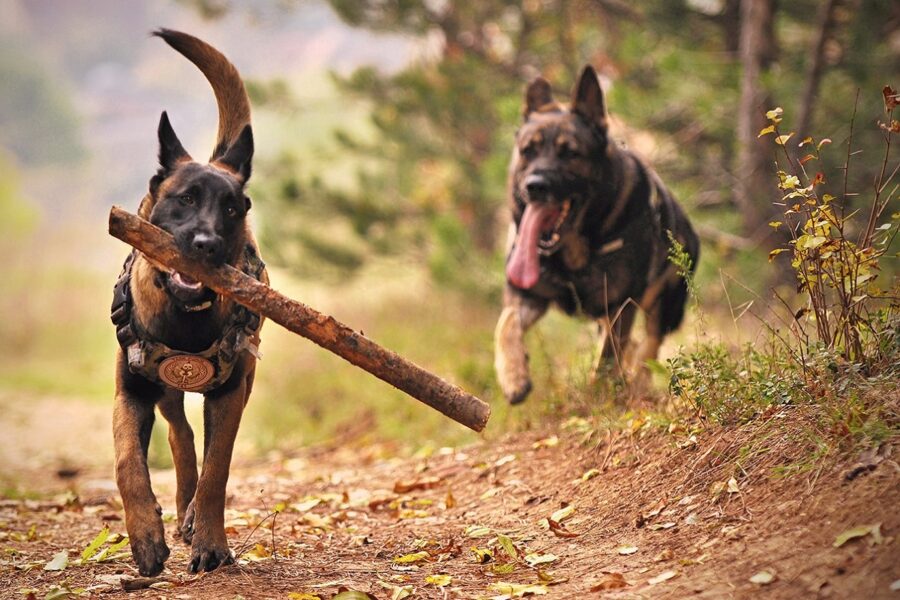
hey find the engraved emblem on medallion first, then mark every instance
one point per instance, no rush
(187, 373)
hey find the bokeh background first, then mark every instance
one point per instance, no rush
(383, 131)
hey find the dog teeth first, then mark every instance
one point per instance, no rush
(563, 213)
(179, 279)
(546, 244)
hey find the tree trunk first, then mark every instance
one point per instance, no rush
(754, 184)
(825, 23)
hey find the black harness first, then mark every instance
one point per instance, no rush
(187, 371)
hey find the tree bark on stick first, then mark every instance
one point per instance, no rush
(295, 316)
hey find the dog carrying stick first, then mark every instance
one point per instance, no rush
(295, 316)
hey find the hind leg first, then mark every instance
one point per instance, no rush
(510, 353)
(181, 440)
(613, 343)
(664, 313)
(648, 349)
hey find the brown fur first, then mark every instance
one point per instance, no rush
(200, 498)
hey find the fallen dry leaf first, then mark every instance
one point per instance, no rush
(534, 558)
(590, 474)
(353, 595)
(560, 530)
(59, 561)
(666, 554)
(504, 460)
(518, 590)
(477, 531)
(610, 581)
(411, 558)
(664, 576)
(563, 513)
(398, 592)
(425, 483)
(504, 569)
(549, 442)
(858, 532)
(507, 544)
(438, 580)
(257, 553)
(763, 578)
(716, 488)
(482, 555)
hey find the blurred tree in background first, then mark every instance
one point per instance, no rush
(692, 78)
(38, 122)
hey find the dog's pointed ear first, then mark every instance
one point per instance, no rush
(537, 94)
(588, 98)
(171, 152)
(239, 155)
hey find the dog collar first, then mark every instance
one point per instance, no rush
(187, 371)
(198, 307)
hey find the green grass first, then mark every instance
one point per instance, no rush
(55, 332)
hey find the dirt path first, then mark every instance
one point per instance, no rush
(645, 513)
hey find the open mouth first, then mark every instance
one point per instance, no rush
(539, 234)
(190, 293)
(550, 236)
(185, 282)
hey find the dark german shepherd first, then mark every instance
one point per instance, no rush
(177, 335)
(591, 227)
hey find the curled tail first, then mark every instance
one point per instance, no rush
(231, 96)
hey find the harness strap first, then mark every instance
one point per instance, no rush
(148, 358)
(120, 312)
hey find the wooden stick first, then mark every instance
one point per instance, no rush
(295, 316)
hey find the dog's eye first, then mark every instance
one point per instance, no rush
(567, 151)
(231, 211)
(186, 199)
(529, 151)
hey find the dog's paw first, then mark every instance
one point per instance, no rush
(150, 551)
(518, 395)
(209, 557)
(186, 527)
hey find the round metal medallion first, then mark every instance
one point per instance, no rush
(186, 372)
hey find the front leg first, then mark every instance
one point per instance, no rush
(222, 412)
(510, 354)
(132, 424)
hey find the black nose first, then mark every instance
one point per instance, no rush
(209, 246)
(537, 185)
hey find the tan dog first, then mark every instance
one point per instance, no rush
(177, 335)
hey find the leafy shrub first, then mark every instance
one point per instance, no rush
(844, 343)
(836, 248)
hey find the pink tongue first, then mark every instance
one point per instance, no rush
(523, 268)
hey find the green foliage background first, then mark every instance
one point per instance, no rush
(429, 162)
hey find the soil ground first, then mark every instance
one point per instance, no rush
(647, 512)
